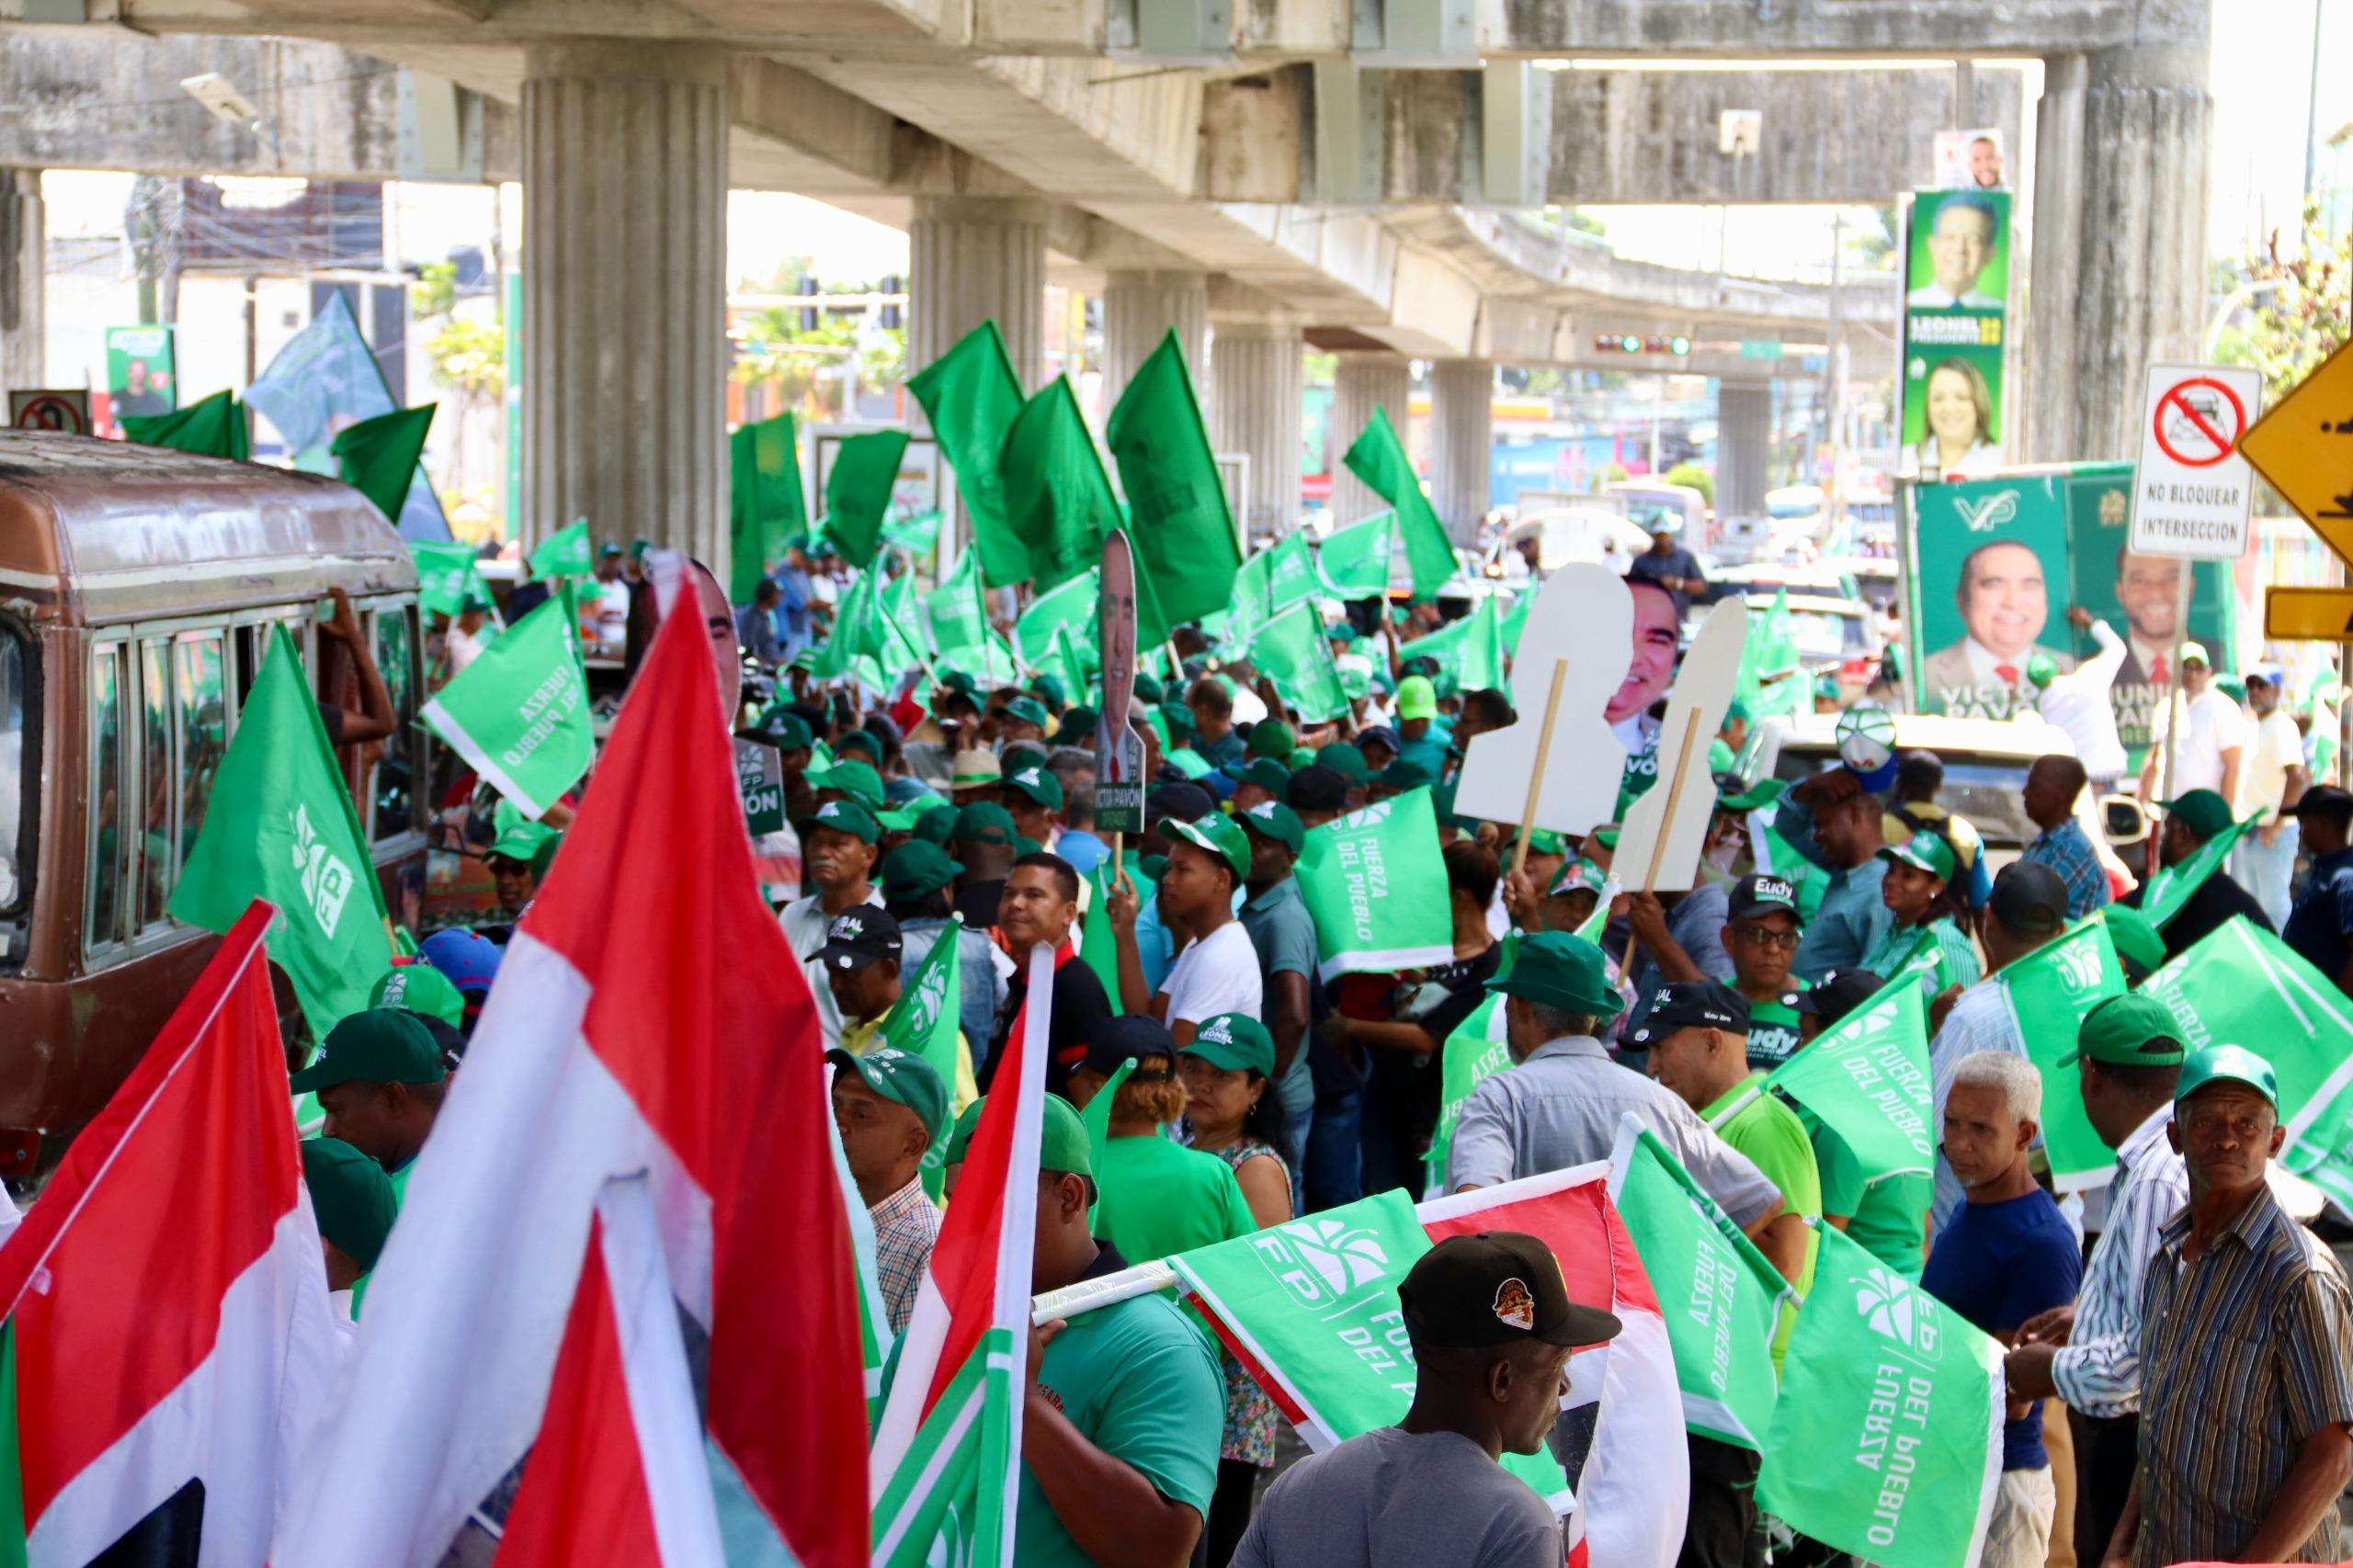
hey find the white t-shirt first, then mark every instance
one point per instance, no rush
(2211, 724)
(1219, 974)
(2274, 746)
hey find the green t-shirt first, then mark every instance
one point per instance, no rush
(1769, 1133)
(1888, 1218)
(399, 1198)
(1160, 1197)
(1773, 1028)
(1139, 1383)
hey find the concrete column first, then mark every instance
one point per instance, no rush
(1259, 376)
(1139, 309)
(23, 280)
(1360, 383)
(1462, 438)
(2119, 274)
(1744, 446)
(971, 259)
(624, 292)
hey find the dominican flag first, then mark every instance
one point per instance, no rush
(167, 1344)
(947, 1458)
(649, 1025)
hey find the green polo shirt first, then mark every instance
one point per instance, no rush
(1887, 1218)
(1141, 1384)
(1769, 1133)
(1773, 1035)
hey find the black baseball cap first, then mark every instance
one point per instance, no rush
(860, 937)
(1316, 788)
(1762, 894)
(1131, 1038)
(1692, 1005)
(2029, 898)
(1496, 1288)
(1838, 992)
(2325, 798)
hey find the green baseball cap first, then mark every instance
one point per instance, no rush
(982, 822)
(1048, 689)
(915, 868)
(1272, 818)
(1416, 698)
(1027, 711)
(1271, 737)
(1405, 773)
(2234, 1062)
(1234, 1042)
(1578, 876)
(1075, 727)
(862, 743)
(1561, 971)
(1178, 717)
(521, 842)
(352, 1198)
(961, 1138)
(2195, 652)
(1267, 775)
(1345, 760)
(786, 732)
(934, 825)
(382, 1045)
(1764, 793)
(2137, 942)
(419, 988)
(1924, 851)
(1064, 1147)
(857, 779)
(1215, 834)
(2202, 812)
(843, 816)
(903, 1078)
(2128, 1031)
(1019, 755)
(1040, 784)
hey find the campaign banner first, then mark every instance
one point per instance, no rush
(143, 375)
(1957, 283)
(1374, 881)
(2048, 993)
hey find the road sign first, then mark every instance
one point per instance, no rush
(65, 409)
(2192, 491)
(2308, 615)
(2304, 446)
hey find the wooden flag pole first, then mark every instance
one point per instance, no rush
(1658, 845)
(1536, 775)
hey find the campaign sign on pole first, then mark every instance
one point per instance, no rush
(1119, 750)
(2192, 491)
(759, 780)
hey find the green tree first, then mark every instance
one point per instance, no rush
(1696, 477)
(2297, 307)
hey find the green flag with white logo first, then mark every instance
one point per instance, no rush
(1291, 649)
(1058, 500)
(859, 632)
(2049, 991)
(280, 825)
(2171, 886)
(1886, 1441)
(766, 510)
(1474, 1053)
(1354, 561)
(446, 577)
(923, 1023)
(858, 491)
(1770, 678)
(1374, 881)
(1072, 606)
(1379, 459)
(1866, 1078)
(1720, 1297)
(971, 396)
(564, 553)
(1470, 648)
(1290, 572)
(214, 427)
(519, 714)
(378, 457)
(956, 610)
(1178, 519)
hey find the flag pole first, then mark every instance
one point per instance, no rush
(1667, 822)
(1536, 776)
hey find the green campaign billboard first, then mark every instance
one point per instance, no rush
(1956, 280)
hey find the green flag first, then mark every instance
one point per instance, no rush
(447, 577)
(1291, 649)
(1096, 945)
(1096, 1120)
(859, 632)
(1253, 600)
(379, 457)
(1058, 500)
(956, 610)
(1516, 618)
(1474, 1053)
(923, 1023)
(1178, 519)
(1354, 561)
(1721, 1297)
(1769, 680)
(1886, 1441)
(1290, 572)
(1866, 1079)
(1070, 661)
(858, 491)
(1470, 648)
(1379, 459)
(2048, 993)
(2170, 888)
(1374, 881)
(214, 426)
(971, 396)
(916, 533)
(280, 825)
(566, 552)
(1072, 605)
(764, 506)
(519, 714)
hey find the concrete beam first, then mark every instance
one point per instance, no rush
(1741, 29)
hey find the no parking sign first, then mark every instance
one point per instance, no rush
(2192, 490)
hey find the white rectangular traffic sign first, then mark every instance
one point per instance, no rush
(2192, 491)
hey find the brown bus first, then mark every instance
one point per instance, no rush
(138, 588)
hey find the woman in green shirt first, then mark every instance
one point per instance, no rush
(1158, 1196)
(1917, 891)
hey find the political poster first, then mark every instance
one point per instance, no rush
(1957, 281)
(1996, 566)
(1970, 160)
(143, 377)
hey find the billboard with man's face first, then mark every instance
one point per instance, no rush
(141, 377)
(1956, 278)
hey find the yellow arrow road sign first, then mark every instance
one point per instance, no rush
(2308, 615)
(2304, 446)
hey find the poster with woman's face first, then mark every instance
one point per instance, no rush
(1957, 266)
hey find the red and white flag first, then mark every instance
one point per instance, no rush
(167, 1344)
(649, 1022)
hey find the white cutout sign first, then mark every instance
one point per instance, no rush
(1582, 615)
(1695, 711)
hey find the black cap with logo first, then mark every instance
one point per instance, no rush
(860, 937)
(1496, 1288)
(1693, 1005)
(1762, 894)
(1838, 992)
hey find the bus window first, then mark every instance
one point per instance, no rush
(102, 921)
(200, 693)
(396, 768)
(157, 778)
(17, 756)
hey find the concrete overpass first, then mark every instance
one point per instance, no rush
(1340, 166)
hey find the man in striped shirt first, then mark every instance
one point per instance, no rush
(2128, 1062)
(2246, 1350)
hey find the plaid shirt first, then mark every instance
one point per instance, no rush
(2099, 1370)
(2243, 1355)
(905, 1224)
(2067, 849)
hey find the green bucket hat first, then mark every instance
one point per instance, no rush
(1561, 971)
(418, 988)
(2234, 1063)
(1272, 818)
(915, 868)
(1924, 851)
(2128, 1031)
(854, 778)
(1234, 1042)
(382, 1045)
(903, 1078)
(352, 1198)
(1215, 834)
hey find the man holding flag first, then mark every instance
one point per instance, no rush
(2193, 820)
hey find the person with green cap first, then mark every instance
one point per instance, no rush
(354, 1202)
(2192, 821)
(2128, 1061)
(1283, 935)
(1416, 709)
(1033, 797)
(517, 861)
(1919, 892)
(379, 1078)
(917, 880)
(2246, 1350)
(1209, 702)
(890, 1108)
(838, 855)
(2213, 734)
(981, 841)
(1217, 971)
(417, 987)
(1124, 1410)
(1022, 718)
(2138, 945)
(1263, 779)
(1560, 1104)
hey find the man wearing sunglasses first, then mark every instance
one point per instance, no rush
(1761, 934)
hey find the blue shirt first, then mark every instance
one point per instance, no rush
(2067, 849)
(1082, 850)
(1998, 1265)
(1851, 921)
(2323, 916)
(793, 610)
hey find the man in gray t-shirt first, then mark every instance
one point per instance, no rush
(1492, 1327)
